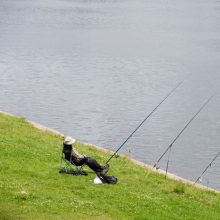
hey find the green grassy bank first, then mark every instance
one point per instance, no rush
(32, 188)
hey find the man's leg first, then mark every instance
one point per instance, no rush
(95, 166)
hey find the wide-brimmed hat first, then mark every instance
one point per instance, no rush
(69, 141)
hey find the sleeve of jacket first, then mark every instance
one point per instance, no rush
(77, 154)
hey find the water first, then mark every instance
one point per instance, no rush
(94, 69)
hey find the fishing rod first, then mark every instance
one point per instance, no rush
(170, 146)
(143, 122)
(209, 165)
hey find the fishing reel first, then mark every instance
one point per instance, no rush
(116, 155)
(157, 167)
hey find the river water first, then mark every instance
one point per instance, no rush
(94, 69)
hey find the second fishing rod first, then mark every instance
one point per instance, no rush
(170, 146)
(143, 122)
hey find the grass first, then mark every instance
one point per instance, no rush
(32, 188)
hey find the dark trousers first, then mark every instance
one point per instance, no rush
(91, 163)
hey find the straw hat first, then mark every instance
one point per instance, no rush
(69, 141)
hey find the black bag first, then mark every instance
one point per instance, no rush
(108, 179)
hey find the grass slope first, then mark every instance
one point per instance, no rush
(32, 188)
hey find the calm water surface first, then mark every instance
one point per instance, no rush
(93, 69)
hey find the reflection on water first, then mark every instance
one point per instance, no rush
(94, 70)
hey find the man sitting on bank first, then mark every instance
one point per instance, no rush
(71, 154)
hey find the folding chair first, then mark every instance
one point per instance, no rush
(67, 165)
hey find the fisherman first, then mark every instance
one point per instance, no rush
(71, 154)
